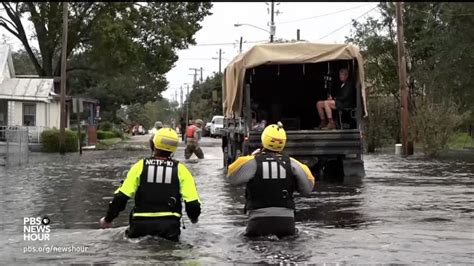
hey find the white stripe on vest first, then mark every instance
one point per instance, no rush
(160, 174)
(273, 170)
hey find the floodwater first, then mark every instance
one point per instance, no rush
(404, 211)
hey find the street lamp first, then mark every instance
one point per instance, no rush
(271, 31)
(246, 24)
(217, 58)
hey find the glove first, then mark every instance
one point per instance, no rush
(255, 152)
(195, 220)
(103, 223)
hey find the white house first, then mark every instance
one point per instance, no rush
(26, 101)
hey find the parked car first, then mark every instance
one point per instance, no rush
(206, 131)
(217, 124)
(138, 130)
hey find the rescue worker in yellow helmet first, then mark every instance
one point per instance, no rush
(159, 184)
(271, 178)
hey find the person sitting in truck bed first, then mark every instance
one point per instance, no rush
(342, 97)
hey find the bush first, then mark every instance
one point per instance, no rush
(105, 134)
(83, 133)
(434, 125)
(118, 133)
(106, 126)
(382, 125)
(50, 140)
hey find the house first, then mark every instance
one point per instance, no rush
(27, 100)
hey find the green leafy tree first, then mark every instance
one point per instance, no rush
(118, 52)
(205, 100)
(22, 63)
(147, 114)
(439, 60)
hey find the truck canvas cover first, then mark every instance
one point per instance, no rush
(283, 53)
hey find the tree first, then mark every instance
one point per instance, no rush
(22, 63)
(156, 28)
(205, 100)
(147, 114)
(439, 60)
(120, 51)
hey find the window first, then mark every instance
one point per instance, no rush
(29, 114)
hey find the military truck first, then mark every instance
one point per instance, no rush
(274, 82)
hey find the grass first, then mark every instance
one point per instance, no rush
(461, 141)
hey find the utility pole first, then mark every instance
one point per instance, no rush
(62, 123)
(220, 59)
(402, 78)
(201, 74)
(181, 102)
(195, 74)
(298, 34)
(272, 22)
(78, 109)
(187, 106)
(240, 47)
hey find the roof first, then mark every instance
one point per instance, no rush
(26, 89)
(283, 53)
(21, 89)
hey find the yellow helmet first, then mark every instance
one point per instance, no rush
(166, 139)
(274, 138)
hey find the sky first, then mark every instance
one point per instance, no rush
(318, 22)
(322, 22)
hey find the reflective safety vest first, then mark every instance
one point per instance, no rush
(190, 131)
(159, 189)
(273, 184)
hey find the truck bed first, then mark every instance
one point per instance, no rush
(317, 142)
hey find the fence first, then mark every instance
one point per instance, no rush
(34, 133)
(13, 145)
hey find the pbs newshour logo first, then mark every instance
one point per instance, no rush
(36, 228)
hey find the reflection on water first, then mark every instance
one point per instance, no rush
(404, 211)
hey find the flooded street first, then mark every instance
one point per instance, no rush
(404, 211)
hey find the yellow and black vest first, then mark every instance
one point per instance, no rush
(159, 187)
(273, 184)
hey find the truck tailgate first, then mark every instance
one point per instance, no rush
(317, 142)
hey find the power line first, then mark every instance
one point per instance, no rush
(212, 44)
(336, 30)
(195, 59)
(228, 43)
(211, 58)
(323, 15)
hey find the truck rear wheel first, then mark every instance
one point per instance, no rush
(333, 170)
